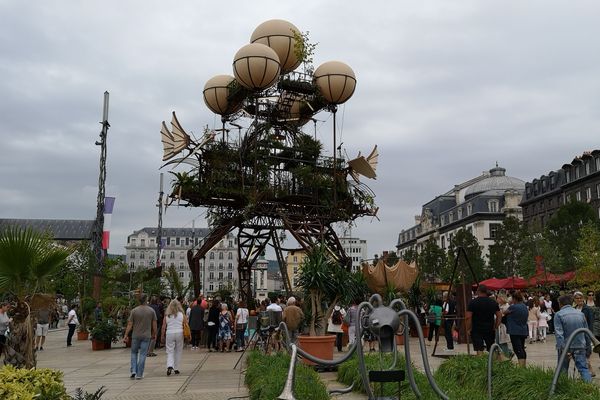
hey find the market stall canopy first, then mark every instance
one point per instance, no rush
(400, 276)
(505, 283)
(545, 278)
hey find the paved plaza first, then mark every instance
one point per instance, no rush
(204, 375)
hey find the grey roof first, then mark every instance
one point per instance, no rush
(496, 181)
(61, 229)
(181, 232)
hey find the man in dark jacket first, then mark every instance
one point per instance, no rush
(196, 322)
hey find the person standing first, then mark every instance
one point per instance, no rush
(543, 322)
(502, 336)
(532, 320)
(581, 305)
(142, 325)
(350, 320)
(516, 326)
(213, 325)
(225, 322)
(4, 323)
(72, 323)
(566, 321)
(41, 330)
(449, 315)
(480, 321)
(196, 322)
(293, 317)
(434, 318)
(98, 312)
(172, 335)
(334, 325)
(241, 322)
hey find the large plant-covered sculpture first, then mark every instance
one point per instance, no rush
(260, 173)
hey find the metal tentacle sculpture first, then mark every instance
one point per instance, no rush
(383, 322)
(561, 360)
(494, 348)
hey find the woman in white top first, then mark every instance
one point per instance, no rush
(172, 335)
(334, 325)
(241, 322)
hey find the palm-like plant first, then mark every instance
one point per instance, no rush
(26, 259)
(326, 283)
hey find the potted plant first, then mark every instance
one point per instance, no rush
(324, 283)
(87, 306)
(103, 334)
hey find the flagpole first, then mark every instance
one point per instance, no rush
(159, 246)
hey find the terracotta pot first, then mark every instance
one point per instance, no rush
(425, 331)
(97, 345)
(107, 345)
(400, 340)
(83, 335)
(318, 346)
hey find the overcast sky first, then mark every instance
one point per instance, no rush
(445, 89)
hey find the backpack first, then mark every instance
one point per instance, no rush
(336, 317)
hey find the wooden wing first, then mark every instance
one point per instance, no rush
(173, 141)
(364, 166)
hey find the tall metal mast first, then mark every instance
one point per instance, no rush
(99, 223)
(159, 230)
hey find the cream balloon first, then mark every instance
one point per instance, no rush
(281, 36)
(256, 66)
(216, 93)
(336, 81)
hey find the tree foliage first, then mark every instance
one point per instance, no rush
(432, 260)
(469, 243)
(563, 229)
(506, 252)
(587, 254)
(27, 258)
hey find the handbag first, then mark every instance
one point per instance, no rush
(187, 333)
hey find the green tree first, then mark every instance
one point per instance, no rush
(27, 258)
(563, 229)
(469, 243)
(392, 258)
(432, 260)
(176, 285)
(410, 255)
(587, 254)
(505, 253)
(537, 244)
(74, 279)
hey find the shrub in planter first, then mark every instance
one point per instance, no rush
(30, 384)
(266, 376)
(106, 332)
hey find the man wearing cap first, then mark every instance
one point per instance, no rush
(480, 321)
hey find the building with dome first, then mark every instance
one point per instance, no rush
(478, 205)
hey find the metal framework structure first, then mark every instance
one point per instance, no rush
(99, 222)
(266, 178)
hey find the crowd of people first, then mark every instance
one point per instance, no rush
(520, 318)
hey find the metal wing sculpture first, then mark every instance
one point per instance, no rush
(364, 166)
(173, 141)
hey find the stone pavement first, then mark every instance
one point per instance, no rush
(204, 375)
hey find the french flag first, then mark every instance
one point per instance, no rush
(109, 203)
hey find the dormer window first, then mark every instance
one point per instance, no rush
(568, 176)
(587, 168)
(493, 206)
(469, 209)
(459, 213)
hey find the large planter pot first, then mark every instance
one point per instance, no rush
(400, 340)
(107, 345)
(97, 345)
(83, 335)
(318, 346)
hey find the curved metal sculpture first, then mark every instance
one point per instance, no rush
(383, 321)
(271, 177)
